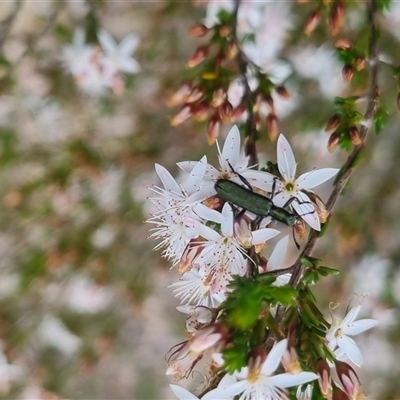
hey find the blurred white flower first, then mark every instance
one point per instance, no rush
(52, 332)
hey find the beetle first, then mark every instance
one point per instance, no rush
(255, 203)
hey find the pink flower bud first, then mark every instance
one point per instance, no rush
(343, 44)
(213, 128)
(192, 250)
(355, 136)
(336, 17)
(324, 377)
(184, 114)
(332, 123)
(349, 380)
(201, 111)
(226, 112)
(219, 97)
(180, 95)
(238, 112)
(347, 72)
(198, 30)
(272, 127)
(312, 22)
(208, 337)
(196, 94)
(333, 141)
(199, 56)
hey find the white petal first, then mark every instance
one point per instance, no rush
(192, 183)
(288, 380)
(128, 44)
(278, 255)
(286, 160)
(187, 166)
(315, 177)
(167, 179)
(351, 315)
(230, 391)
(182, 394)
(203, 230)
(231, 149)
(349, 347)
(208, 214)
(227, 223)
(262, 235)
(129, 65)
(307, 211)
(107, 41)
(274, 357)
(360, 326)
(259, 179)
(281, 197)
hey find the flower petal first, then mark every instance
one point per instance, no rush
(192, 183)
(227, 222)
(262, 235)
(288, 380)
(182, 394)
(107, 42)
(286, 160)
(278, 255)
(231, 149)
(167, 179)
(349, 347)
(307, 211)
(360, 326)
(128, 44)
(274, 357)
(351, 316)
(259, 179)
(315, 177)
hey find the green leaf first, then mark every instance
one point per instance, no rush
(326, 271)
(380, 119)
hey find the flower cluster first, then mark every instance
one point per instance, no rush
(212, 239)
(98, 68)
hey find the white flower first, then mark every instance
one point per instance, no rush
(175, 205)
(222, 255)
(194, 288)
(338, 338)
(290, 187)
(119, 55)
(260, 383)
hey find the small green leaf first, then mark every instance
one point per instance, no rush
(326, 271)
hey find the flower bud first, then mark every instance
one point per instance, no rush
(220, 59)
(208, 337)
(300, 229)
(312, 22)
(238, 112)
(355, 136)
(224, 31)
(242, 231)
(349, 380)
(282, 92)
(336, 17)
(359, 63)
(272, 127)
(198, 57)
(198, 30)
(231, 50)
(200, 111)
(347, 73)
(192, 250)
(343, 44)
(332, 123)
(196, 94)
(333, 141)
(180, 95)
(257, 358)
(226, 112)
(219, 97)
(199, 316)
(270, 101)
(398, 101)
(323, 213)
(290, 361)
(324, 377)
(213, 128)
(184, 114)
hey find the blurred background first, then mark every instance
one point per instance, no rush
(85, 312)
